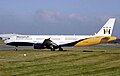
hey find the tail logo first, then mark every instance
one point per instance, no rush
(107, 30)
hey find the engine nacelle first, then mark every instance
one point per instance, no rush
(38, 46)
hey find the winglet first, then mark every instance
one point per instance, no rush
(107, 29)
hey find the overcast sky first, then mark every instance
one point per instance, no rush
(57, 16)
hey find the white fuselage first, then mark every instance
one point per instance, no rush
(58, 39)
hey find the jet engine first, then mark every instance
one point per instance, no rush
(49, 44)
(38, 46)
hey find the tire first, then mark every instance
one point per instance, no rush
(60, 49)
(52, 48)
(16, 48)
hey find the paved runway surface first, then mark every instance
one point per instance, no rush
(13, 48)
(31, 47)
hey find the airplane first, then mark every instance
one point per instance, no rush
(54, 42)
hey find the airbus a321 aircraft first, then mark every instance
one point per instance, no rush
(58, 41)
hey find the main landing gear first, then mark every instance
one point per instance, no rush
(53, 48)
(60, 49)
(16, 48)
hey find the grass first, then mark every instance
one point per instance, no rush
(2, 42)
(66, 63)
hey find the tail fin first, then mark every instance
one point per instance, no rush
(107, 29)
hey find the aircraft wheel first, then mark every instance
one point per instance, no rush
(52, 48)
(16, 48)
(60, 49)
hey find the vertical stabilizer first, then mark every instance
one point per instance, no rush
(107, 29)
